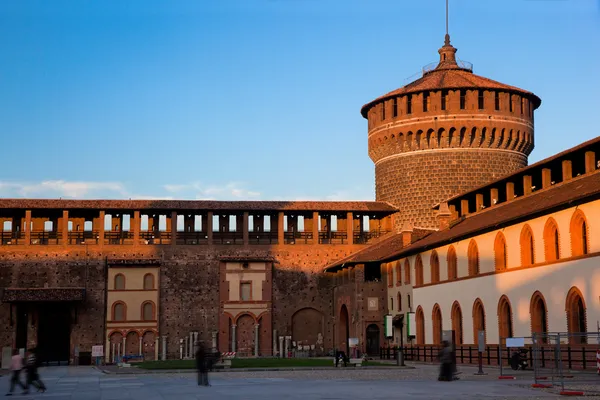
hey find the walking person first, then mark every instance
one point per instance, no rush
(16, 365)
(202, 365)
(33, 377)
(445, 356)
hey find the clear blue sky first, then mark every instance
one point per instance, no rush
(257, 99)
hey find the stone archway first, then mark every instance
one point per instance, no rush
(307, 328)
(245, 336)
(148, 344)
(576, 317)
(116, 345)
(132, 343)
(343, 330)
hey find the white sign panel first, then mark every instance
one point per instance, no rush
(515, 342)
(97, 351)
(389, 332)
(353, 341)
(411, 330)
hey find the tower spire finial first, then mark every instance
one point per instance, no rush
(447, 38)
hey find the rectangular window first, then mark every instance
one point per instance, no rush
(245, 291)
(510, 103)
(409, 306)
(409, 104)
(480, 99)
(497, 101)
(463, 99)
(399, 302)
(522, 105)
(395, 108)
(383, 111)
(391, 304)
(444, 99)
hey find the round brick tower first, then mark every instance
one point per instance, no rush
(445, 133)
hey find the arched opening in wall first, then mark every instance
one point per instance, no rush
(478, 320)
(579, 234)
(493, 138)
(418, 271)
(372, 340)
(343, 330)
(481, 141)
(390, 275)
(474, 136)
(509, 138)
(119, 282)
(441, 138)
(418, 139)
(398, 273)
(148, 346)
(119, 311)
(409, 140)
(463, 134)
(527, 249)
(576, 316)
(406, 272)
(551, 240)
(452, 137)
(420, 320)
(452, 262)
(457, 323)
(434, 263)
(436, 319)
(148, 311)
(473, 258)
(430, 136)
(132, 343)
(148, 282)
(539, 316)
(116, 345)
(245, 335)
(500, 252)
(505, 327)
(501, 138)
(307, 328)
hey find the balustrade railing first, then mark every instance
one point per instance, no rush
(228, 238)
(44, 237)
(262, 237)
(157, 237)
(9, 238)
(297, 237)
(192, 238)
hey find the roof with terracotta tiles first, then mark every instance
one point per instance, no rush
(208, 205)
(449, 75)
(378, 250)
(560, 196)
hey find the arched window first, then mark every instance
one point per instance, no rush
(148, 282)
(119, 311)
(539, 316)
(551, 242)
(420, 319)
(576, 316)
(500, 252)
(505, 328)
(390, 275)
(579, 234)
(436, 318)
(418, 271)
(119, 282)
(400, 302)
(527, 249)
(434, 263)
(452, 262)
(457, 325)
(148, 311)
(398, 273)
(406, 272)
(478, 320)
(473, 258)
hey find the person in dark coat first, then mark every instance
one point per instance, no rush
(32, 375)
(445, 362)
(202, 365)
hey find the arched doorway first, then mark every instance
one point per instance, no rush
(436, 318)
(116, 346)
(245, 336)
(132, 344)
(372, 340)
(343, 330)
(420, 319)
(576, 316)
(307, 328)
(539, 316)
(148, 344)
(457, 325)
(505, 328)
(478, 320)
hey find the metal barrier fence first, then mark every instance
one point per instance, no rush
(569, 361)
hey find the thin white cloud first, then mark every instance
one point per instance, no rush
(60, 188)
(230, 191)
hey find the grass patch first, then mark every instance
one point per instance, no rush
(243, 363)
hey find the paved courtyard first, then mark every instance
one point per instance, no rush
(87, 383)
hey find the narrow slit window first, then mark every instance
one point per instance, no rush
(480, 99)
(463, 99)
(395, 108)
(409, 104)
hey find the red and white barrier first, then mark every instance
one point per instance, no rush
(228, 354)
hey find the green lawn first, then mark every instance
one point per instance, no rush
(249, 363)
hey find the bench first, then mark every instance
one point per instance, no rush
(354, 362)
(135, 357)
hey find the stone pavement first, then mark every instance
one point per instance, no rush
(88, 383)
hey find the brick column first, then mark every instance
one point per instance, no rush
(567, 170)
(209, 227)
(280, 235)
(546, 178)
(137, 222)
(101, 219)
(350, 227)
(65, 227)
(510, 191)
(245, 233)
(590, 161)
(27, 227)
(315, 227)
(173, 228)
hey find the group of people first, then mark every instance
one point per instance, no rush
(30, 365)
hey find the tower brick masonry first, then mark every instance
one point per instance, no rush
(446, 133)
